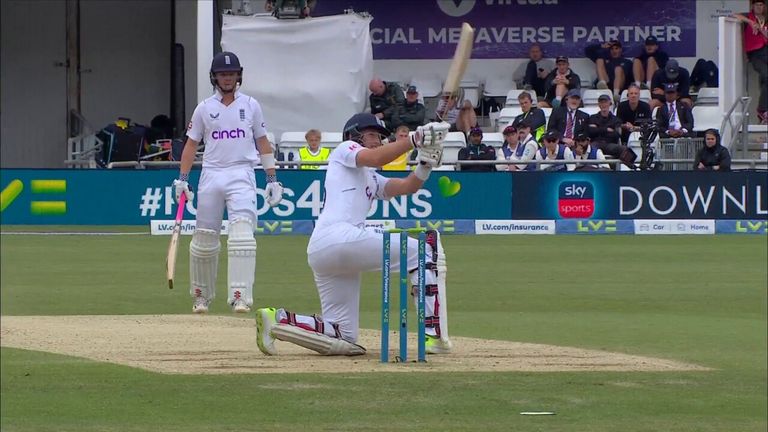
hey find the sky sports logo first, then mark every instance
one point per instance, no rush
(576, 200)
(228, 134)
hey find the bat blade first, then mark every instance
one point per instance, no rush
(460, 60)
(170, 261)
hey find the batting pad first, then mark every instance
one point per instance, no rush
(204, 262)
(241, 267)
(315, 341)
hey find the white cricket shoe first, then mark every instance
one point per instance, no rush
(200, 306)
(266, 318)
(239, 306)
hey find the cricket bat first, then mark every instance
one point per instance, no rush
(170, 262)
(460, 61)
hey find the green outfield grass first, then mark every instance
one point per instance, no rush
(697, 299)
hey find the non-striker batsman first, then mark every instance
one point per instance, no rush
(233, 128)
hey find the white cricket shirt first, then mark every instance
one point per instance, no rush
(229, 132)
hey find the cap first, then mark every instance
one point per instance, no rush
(412, 89)
(670, 87)
(672, 69)
(476, 131)
(509, 130)
(581, 137)
(573, 93)
(552, 135)
(651, 40)
(616, 43)
(604, 98)
(561, 59)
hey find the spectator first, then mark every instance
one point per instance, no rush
(553, 150)
(531, 75)
(651, 59)
(674, 119)
(467, 119)
(582, 150)
(756, 47)
(448, 111)
(569, 118)
(672, 73)
(313, 151)
(533, 114)
(515, 150)
(713, 156)
(385, 99)
(613, 70)
(477, 151)
(604, 129)
(276, 7)
(412, 113)
(558, 82)
(401, 163)
(632, 110)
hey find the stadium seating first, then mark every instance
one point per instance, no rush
(506, 116)
(471, 89)
(499, 86)
(589, 96)
(706, 117)
(494, 139)
(454, 142)
(513, 94)
(707, 96)
(645, 96)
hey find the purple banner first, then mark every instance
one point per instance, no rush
(429, 29)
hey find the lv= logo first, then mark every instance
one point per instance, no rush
(16, 186)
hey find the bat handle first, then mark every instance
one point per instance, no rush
(182, 204)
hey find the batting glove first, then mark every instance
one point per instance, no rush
(274, 193)
(180, 186)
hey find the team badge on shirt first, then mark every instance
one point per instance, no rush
(214, 116)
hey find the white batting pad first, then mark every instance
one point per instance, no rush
(204, 262)
(241, 266)
(315, 341)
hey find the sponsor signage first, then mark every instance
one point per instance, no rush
(672, 226)
(514, 227)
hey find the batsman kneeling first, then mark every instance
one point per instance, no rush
(342, 248)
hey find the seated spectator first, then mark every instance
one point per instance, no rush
(651, 59)
(553, 150)
(569, 118)
(613, 70)
(756, 48)
(674, 119)
(604, 130)
(467, 119)
(448, 111)
(632, 110)
(401, 163)
(558, 82)
(533, 114)
(531, 75)
(674, 74)
(313, 151)
(385, 99)
(713, 156)
(515, 150)
(582, 150)
(412, 113)
(477, 151)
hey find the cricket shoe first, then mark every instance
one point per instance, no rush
(266, 318)
(239, 305)
(201, 305)
(435, 345)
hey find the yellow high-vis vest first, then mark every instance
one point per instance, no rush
(306, 156)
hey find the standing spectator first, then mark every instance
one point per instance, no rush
(674, 74)
(630, 111)
(613, 70)
(401, 163)
(313, 151)
(569, 118)
(412, 113)
(651, 59)
(515, 150)
(553, 150)
(229, 122)
(674, 119)
(385, 99)
(477, 151)
(582, 150)
(558, 82)
(532, 114)
(756, 47)
(531, 75)
(604, 129)
(713, 156)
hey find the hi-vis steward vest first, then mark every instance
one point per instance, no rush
(306, 156)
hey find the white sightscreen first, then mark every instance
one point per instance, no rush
(309, 73)
(731, 59)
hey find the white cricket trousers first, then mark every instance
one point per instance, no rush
(233, 187)
(338, 255)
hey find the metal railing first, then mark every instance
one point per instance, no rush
(684, 149)
(730, 127)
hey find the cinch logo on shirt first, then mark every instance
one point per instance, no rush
(228, 134)
(576, 199)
